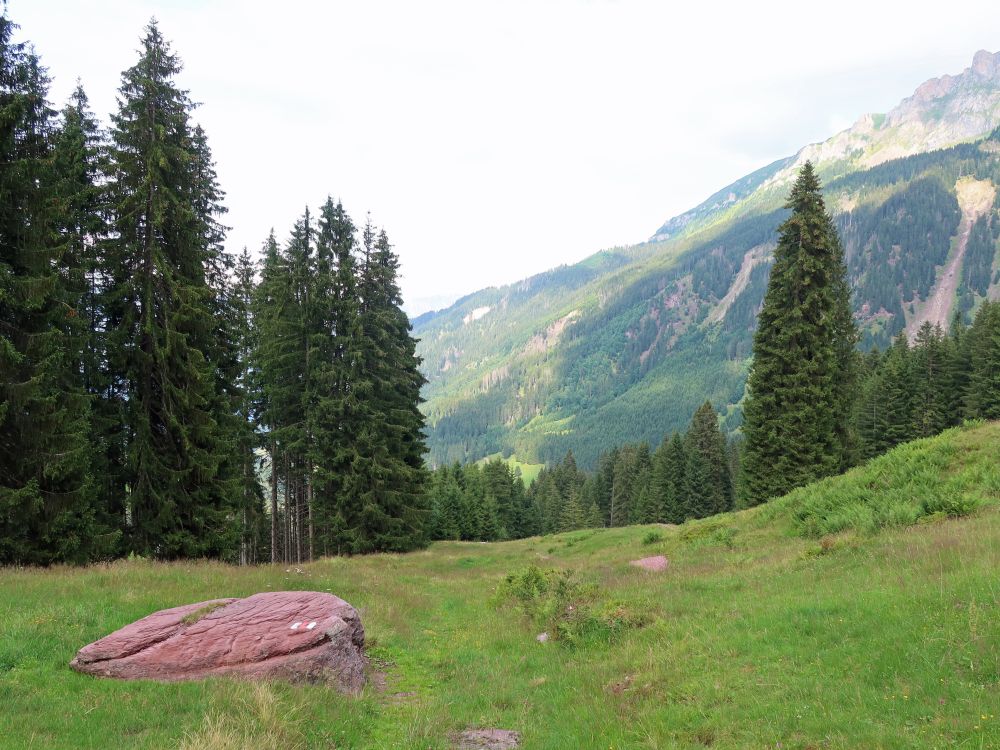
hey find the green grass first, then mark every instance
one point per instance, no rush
(949, 476)
(764, 632)
(193, 617)
(529, 471)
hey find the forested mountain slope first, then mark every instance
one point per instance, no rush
(625, 345)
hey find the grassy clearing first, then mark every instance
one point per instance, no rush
(529, 472)
(766, 631)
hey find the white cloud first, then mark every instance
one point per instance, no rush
(497, 139)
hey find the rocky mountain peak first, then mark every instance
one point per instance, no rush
(986, 64)
(941, 112)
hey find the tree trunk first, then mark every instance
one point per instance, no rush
(274, 505)
(288, 481)
(309, 506)
(298, 519)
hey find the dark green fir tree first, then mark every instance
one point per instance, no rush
(162, 342)
(387, 472)
(801, 384)
(709, 485)
(46, 500)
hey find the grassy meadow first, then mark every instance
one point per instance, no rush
(857, 613)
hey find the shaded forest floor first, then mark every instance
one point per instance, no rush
(762, 633)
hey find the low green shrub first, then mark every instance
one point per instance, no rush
(708, 532)
(554, 601)
(952, 506)
(652, 537)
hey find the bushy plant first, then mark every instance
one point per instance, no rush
(554, 601)
(711, 531)
(652, 538)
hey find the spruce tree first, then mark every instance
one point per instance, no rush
(675, 467)
(957, 369)
(273, 357)
(250, 500)
(80, 162)
(668, 484)
(929, 378)
(572, 515)
(869, 416)
(226, 348)
(709, 483)
(983, 391)
(896, 394)
(46, 503)
(388, 473)
(500, 485)
(335, 410)
(444, 493)
(799, 391)
(593, 518)
(285, 320)
(177, 499)
(604, 483)
(547, 502)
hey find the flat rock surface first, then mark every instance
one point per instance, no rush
(486, 739)
(293, 635)
(657, 563)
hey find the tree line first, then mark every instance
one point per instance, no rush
(909, 391)
(148, 378)
(689, 475)
(915, 390)
(815, 406)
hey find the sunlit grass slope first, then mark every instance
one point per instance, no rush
(766, 631)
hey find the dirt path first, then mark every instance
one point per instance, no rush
(975, 198)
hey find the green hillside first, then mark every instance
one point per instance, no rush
(624, 346)
(858, 612)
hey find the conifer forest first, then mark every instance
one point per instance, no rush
(163, 397)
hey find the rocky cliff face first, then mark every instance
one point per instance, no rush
(941, 112)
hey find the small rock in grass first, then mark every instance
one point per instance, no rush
(486, 739)
(657, 564)
(542, 637)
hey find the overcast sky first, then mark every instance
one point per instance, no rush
(494, 140)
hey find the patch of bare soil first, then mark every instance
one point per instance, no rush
(486, 739)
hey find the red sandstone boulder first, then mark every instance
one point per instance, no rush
(292, 635)
(657, 564)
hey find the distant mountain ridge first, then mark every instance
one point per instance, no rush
(624, 345)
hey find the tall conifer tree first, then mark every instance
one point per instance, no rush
(164, 342)
(249, 494)
(335, 412)
(387, 474)
(46, 505)
(798, 405)
(983, 390)
(709, 486)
